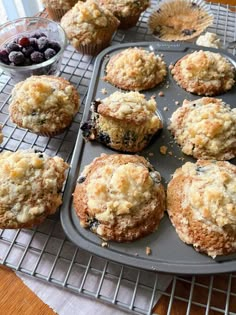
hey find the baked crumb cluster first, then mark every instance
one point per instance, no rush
(30, 186)
(209, 40)
(84, 22)
(135, 69)
(211, 194)
(43, 102)
(204, 73)
(205, 128)
(125, 8)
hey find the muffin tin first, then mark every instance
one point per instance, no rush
(168, 253)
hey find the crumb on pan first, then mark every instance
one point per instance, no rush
(104, 91)
(148, 251)
(163, 149)
(161, 93)
(105, 244)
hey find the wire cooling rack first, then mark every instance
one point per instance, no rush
(30, 250)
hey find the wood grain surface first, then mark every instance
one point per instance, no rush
(17, 299)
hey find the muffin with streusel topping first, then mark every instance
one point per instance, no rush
(204, 73)
(57, 8)
(135, 69)
(89, 26)
(44, 104)
(201, 206)
(205, 128)
(119, 197)
(123, 121)
(127, 11)
(30, 186)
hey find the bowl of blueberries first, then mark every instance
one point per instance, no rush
(31, 46)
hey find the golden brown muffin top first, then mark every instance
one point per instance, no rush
(119, 184)
(135, 69)
(125, 8)
(86, 19)
(29, 184)
(43, 98)
(204, 73)
(211, 192)
(130, 106)
(59, 4)
(205, 128)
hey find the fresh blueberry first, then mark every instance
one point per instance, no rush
(42, 44)
(12, 47)
(38, 35)
(54, 45)
(17, 58)
(27, 51)
(104, 138)
(4, 56)
(33, 42)
(49, 53)
(37, 57)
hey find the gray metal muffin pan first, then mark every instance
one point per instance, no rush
(168, 253)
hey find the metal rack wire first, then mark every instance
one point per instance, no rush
(133, 290)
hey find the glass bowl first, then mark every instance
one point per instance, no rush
(25, 27)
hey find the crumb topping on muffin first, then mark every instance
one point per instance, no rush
(60, 4)
(125, 8)
(205, 128)
(42, 101)
(30, 186)
(204, 73)
(119, 197)
(123, 121)
(135, 69)
(85, 20)
(211, 194)
(130, 106)
(118, 189)
(201, 205)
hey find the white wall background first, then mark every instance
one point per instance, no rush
(12, 9)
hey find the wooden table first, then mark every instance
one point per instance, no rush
(17, 299)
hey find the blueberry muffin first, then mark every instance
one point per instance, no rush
(57, 8)
(89, 27)
(201, 206)
(205, 128)
(45, 105)
(123, 121)
(135, 69)
(30, 186)
(204, 73)
(127, 11)
(119, 197)
(180, 20)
